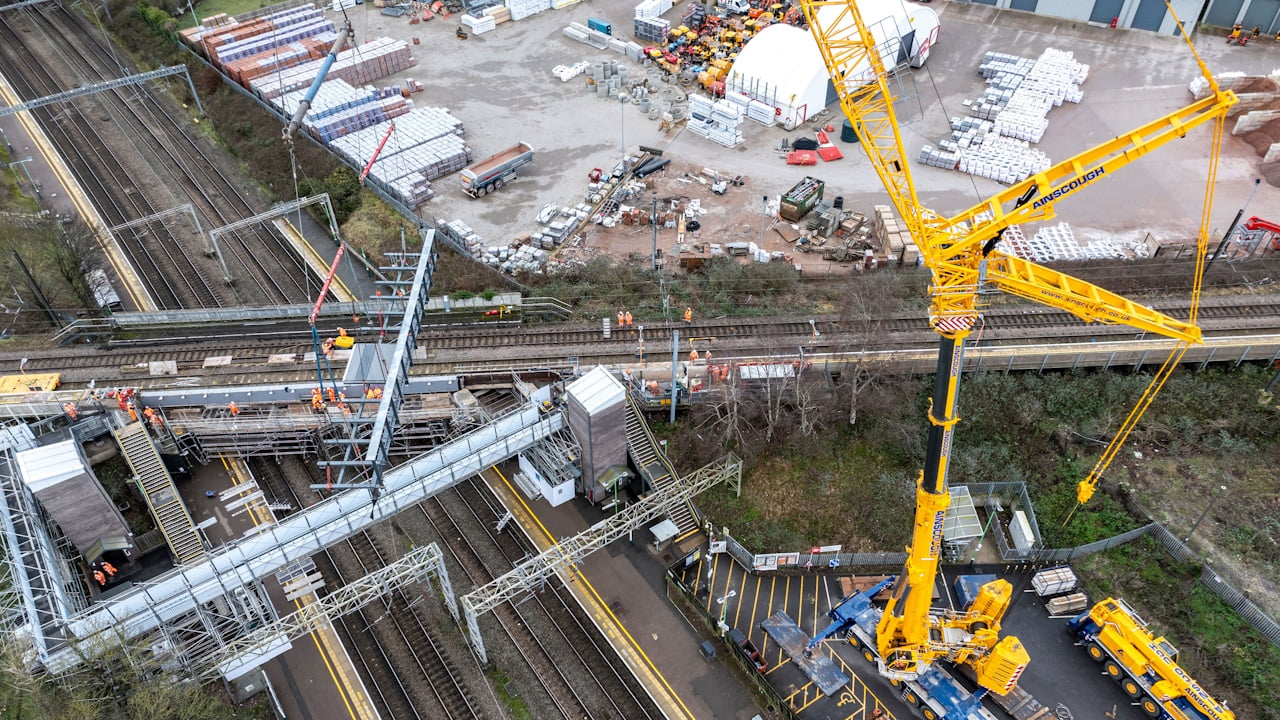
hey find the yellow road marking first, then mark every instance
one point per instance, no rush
(649, 666)
(132, 283)
(773, 584)
(755, 601)
(325, 652)
(742, 595)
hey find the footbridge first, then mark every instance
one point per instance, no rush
(236, 570)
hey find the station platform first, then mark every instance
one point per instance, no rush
(63, 195)
(623, 589)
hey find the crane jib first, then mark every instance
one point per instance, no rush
(1079, 182)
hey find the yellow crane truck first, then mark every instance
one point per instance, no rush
(1145, 666)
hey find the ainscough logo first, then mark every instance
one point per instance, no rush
(1079, 182)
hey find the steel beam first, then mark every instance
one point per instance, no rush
(99, 87)
(249, 651)
(24, 3)
(531, 573)
(375, 450)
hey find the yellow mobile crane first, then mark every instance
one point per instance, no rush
(961, 253)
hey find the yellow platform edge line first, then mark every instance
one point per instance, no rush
(312, 258)
(341, 669)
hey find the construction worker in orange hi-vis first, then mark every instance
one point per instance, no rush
(133, 412)
(688, 315)
(108, 568)
(234, 408)
(333, 394)
(693, 356)
(71, 410)
(628, 318)
(622, 318)
(102, 579)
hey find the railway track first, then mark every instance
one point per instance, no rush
(570, 640)
(268, 267)
(171, 276)
(403, 665)
(475, 347)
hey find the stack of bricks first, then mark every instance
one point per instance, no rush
(427, 144)
(340, 109)
(286, 56)
(893, 239)
(375, 59)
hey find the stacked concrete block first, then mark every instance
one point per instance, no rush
(652, 8)
(521, 9)
(277, 36)
(653, 30)
(480, 24)
(717, 121)
(889, 233)
(426, 145)
(1021, 92)
(1002, 159)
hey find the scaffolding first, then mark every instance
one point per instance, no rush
(367, 456)
(236, 569)
(530, 574)
(37, 567)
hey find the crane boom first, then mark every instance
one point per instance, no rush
(960, 252)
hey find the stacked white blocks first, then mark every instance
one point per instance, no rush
(427, 144)
(717, 121)
(482, 24)
(1011, 114)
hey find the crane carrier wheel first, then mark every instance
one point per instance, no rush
(1113, 670)
(1095, 651)
(1151, 707)
(1131, 688)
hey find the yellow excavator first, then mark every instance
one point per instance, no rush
(909, 635)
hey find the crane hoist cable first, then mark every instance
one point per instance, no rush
(1086, 487)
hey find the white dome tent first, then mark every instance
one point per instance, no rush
(782, 67)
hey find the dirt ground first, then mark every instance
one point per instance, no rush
(736, 216)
